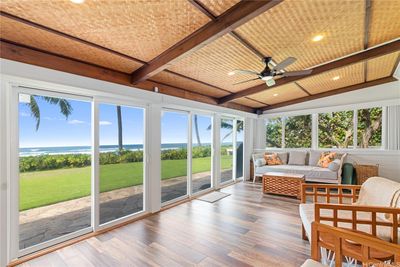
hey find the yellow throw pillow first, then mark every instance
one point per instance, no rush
(325, 159)
(272, 159)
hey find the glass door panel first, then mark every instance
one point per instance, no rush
(121, 138)
(226, 143)
(54, 167)
(201, 152)
(239, 148)
(174, 145)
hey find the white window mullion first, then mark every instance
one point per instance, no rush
(314, 131)
(384, 142)
(189, 156)
(234, 132)
(283, 132)
(355, 127)
(95, 166)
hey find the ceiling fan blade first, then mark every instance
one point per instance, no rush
(296, 73)
(283, 64)
(243, 72)
(247, 81)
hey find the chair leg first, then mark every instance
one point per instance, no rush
(303, 233)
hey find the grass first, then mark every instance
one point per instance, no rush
(48, 187)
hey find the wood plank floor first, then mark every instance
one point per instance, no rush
(244, 229)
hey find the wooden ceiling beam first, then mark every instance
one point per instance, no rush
(24, 54)
(331, 93)
(227, 22)
(351, 59)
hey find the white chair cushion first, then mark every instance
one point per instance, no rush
(307, 217)
(312, 263)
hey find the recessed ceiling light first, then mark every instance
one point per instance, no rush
(77, 1)
(275, 94)
(336, 78)
(231, 73)
(318, 38)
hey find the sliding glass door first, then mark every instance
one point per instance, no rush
(201, 152)
(174, 156)
(54, 167)
(121, 138)
(226, 148)
(239, 148)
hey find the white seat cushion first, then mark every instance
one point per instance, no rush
(312, 263)
(309, 172)
(307, 217)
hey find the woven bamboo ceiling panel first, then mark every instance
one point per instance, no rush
(288, 28)
(213, 62)
(384, 22)
(188, 84)
(381, 67)
(334, 79)
(142, 29)
(21, 33)
(249, 102)
(279, 94)
(217, 7)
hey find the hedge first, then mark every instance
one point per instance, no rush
(52, 162)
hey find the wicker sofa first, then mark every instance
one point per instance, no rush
(311, 172)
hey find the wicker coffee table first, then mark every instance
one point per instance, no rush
(280, 183)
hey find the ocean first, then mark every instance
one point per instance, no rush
(36, 151)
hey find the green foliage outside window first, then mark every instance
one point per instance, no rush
(298, 131)
(335, 129)
(369, 130)
(274, 132)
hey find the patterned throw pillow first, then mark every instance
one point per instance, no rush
(325, 159)
(272, 159)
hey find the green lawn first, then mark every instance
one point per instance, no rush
(48, 187)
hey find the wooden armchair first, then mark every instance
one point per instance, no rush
(361, 247)
(337, 210)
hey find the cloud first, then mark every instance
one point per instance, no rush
(105, 123)
(75, 122)
(24, 114)
(49, 118)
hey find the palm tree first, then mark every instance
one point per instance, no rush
(196, 127)
(119, 118)
(65, 107)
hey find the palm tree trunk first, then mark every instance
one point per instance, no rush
(196, 127)
(119, 118)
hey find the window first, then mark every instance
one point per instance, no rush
(174, 146)
(274, 132)
(226, 135)
(121, 138)
(369, 128)
(201, 152)
(298, 131)
(335, 129)
(239, 148)
(55, 167)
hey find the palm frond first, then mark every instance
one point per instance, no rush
(35, 111)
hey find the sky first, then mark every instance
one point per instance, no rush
(55, 130)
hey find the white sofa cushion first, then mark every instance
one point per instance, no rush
(310, 172)
(314, 157)
(307, 217)
(297, 157)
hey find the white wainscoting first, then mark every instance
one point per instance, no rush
(389, 161)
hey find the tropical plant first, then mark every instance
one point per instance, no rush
(65, 107)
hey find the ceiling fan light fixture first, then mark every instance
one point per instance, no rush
(266, 78)
(336, 78)
(231, 73)
(318, 38)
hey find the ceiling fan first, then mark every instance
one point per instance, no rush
(269, 73)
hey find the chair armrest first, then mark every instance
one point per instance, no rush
(336, 217)
(343, 236)
(329, 192)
